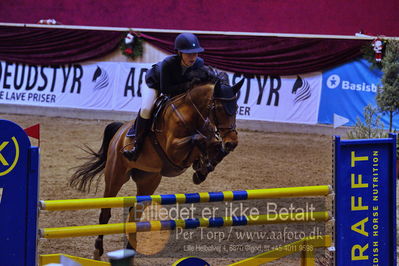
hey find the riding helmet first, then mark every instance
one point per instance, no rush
(188, 43)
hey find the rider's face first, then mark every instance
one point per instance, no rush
(188, 60)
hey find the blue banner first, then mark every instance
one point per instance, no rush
(347, 90)
(365, 202)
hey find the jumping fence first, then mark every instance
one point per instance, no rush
(364, 188)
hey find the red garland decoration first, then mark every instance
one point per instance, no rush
(132, 45)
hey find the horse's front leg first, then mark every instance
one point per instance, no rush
(207, 163)
(200, 141)
(216, 153)
(183, 147)
(202, 168)
(201, 172)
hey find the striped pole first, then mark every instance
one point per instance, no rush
(133, 227)
(115, 202)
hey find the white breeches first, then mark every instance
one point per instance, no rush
(148, 99)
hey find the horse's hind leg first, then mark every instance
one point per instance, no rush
(146, 184)
(115, 176)
(105, 215)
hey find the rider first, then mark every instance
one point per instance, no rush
(169, 77)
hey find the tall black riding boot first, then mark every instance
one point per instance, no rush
(138, 132)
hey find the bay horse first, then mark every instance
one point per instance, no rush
(184, 133)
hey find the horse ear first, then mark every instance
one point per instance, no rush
(238, 86)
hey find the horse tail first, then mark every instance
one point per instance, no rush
(95, 161)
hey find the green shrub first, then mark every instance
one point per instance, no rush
(371, 128)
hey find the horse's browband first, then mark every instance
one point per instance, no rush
(225, 99)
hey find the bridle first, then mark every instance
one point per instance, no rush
(219, 127)
(210, 117)
(205, 129)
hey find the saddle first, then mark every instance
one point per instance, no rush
(159, 106)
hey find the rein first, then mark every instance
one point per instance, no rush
(212, 109)
(207, 130)
(206, 120)
(195, 106)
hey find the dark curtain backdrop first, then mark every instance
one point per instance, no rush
(245, 54)
(42, 46)
(268, 55)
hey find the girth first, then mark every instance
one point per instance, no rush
(161, 153)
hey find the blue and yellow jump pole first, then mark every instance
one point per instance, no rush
(252, 194)
(133, 227)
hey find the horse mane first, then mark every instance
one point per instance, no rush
(223, 78)
(202, 75)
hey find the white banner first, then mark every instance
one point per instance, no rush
(118, 86)
(293, 99)
(88, 86)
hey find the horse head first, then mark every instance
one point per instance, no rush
(214, 105)
(225, 110)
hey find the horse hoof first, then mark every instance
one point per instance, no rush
(210, 167)
(198, 178)
(96, 255)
